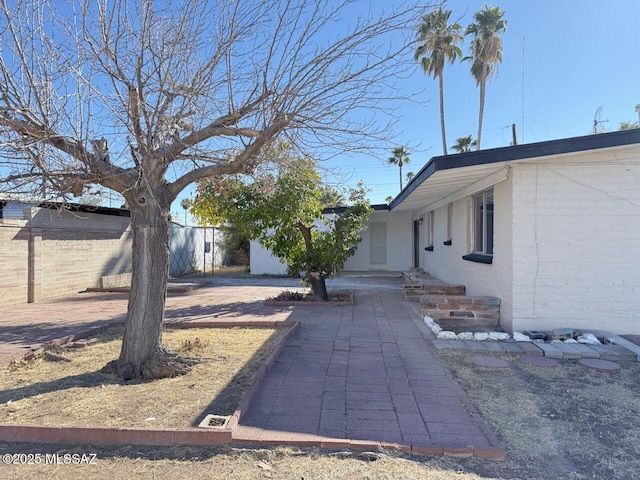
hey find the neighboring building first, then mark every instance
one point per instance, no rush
(50, 250)
(550, 228)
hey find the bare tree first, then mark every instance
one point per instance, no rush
(144, 97)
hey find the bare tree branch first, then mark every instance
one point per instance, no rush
(176, 83)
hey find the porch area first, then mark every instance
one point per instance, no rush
(448, 305)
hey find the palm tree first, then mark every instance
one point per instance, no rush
(185, 203)
(400, 157)
(438, 42)
(331, 197)
(464, 144)
(486, 51)
(628, 125)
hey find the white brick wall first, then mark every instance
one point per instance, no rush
(566, 246)
(263, 262)
(446, 263)
(577, 244)
(399, 244)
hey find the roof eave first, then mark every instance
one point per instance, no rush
(517, 152)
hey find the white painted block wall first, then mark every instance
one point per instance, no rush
(262, 261)
(566, 246)
(399, 244)
(577, 246)
(446, 262)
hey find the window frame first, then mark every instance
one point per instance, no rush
(449, 239)
(428, 226)
(482, 227)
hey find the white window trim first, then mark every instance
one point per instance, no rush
(483, 252)
(429, 229)
(449, 222)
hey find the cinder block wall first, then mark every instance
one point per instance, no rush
(14, 255)
(54, 254)
(73, 260)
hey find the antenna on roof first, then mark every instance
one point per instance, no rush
(597, 120)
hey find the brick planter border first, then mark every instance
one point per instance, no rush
(99, 435)
(270, 302)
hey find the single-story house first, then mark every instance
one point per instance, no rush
(552, 229)
(383, 246)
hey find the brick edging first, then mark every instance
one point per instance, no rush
(272, 302)
(115, 436)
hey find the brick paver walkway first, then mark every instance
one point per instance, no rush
(364, 373)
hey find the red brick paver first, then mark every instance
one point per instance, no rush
(366, 373)
(358, 376)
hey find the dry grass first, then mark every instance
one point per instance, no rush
(76, 393)
(563, 422)
(567, 422)
(227, 463)
(227, 271)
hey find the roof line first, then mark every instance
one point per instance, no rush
(339, 210)
(76, 207)
(517, 152)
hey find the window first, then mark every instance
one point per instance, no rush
(449, 224)
(482, 228)
(429, 235)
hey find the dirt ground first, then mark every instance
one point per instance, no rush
(567, 422)
(67, 392)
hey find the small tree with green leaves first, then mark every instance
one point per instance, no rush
(282, 212)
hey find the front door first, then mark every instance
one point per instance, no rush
(378, 244)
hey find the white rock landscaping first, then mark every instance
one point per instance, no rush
(586, 338)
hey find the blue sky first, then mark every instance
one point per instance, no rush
(579, 55)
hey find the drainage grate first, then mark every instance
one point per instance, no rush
(215, 421)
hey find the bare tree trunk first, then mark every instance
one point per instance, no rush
(142, 354)
(318, 285)
(316, 279)
(483, 84)
(442, 129)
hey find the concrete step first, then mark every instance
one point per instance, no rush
(466, 323)
(474, 309)
(414, 292)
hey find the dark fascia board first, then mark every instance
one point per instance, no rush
(518, 152)
(74, 207)
(77, 207)
(340, 210)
